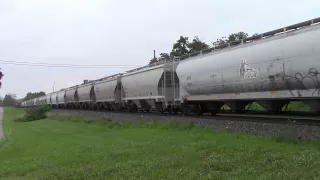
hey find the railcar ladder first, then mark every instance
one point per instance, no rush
(167, 84)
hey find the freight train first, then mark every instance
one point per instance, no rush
(271, 69)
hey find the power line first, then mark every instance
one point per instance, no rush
(55, 66)
(66, 65)
(62, 64)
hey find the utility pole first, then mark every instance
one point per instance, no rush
(53, 86)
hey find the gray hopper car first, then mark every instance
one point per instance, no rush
(48, 99)
(150, 88)
(70, 98)
(53, 98)
(108, 93)
(272, 69)
(60, 98)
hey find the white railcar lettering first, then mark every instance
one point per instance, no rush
(246, 71)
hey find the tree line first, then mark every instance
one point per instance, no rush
(183, 46)
(31, 95)
(11, 99)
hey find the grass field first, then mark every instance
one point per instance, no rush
(66, 149)
(292, 106)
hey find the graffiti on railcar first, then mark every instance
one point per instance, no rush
(312, 77)
(246, 71)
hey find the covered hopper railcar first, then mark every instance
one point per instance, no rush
(85, 97)
(42, 100)
(48, 99)
(61, 98)
(150, 88)
(54, 102)
(107, 92)
(271, 69)
(71, 97)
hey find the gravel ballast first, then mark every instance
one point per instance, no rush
(255, 128)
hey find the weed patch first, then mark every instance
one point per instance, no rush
(33, 114)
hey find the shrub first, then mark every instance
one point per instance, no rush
(36, 113)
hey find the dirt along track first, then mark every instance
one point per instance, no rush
(256, 126)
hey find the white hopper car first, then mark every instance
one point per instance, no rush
(271, 69)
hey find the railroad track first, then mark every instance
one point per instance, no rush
(293, 118)
(303, 127)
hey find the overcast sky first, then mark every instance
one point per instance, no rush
(120, 32)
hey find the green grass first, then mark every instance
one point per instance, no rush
(292, 106)
(297, 106)
(78, 148)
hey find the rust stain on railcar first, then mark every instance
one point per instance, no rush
(273, 92)
(186, 97)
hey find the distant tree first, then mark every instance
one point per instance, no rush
(153, 60)
(232, 37)
(164, 56)
(220, 41)
(237, 36)
(180, 47)
(1, 75)
(255, 34)
(197, 45)
(9, 100)
(31, 95)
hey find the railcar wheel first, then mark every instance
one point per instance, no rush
(131, 107)
(238, 111)
(170, 110)
(185, 110)
(275, 112)
(175, 110)
(213, 113)
(93, 106)
(199, 110)
(118, 107)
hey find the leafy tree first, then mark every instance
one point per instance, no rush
(232, 37)
(33, 95)
(9, 100)
(180, 47)
(153, 60)
(197, 45)
(237, 36)
(220, 41)
(164, 56)
(1, 75)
